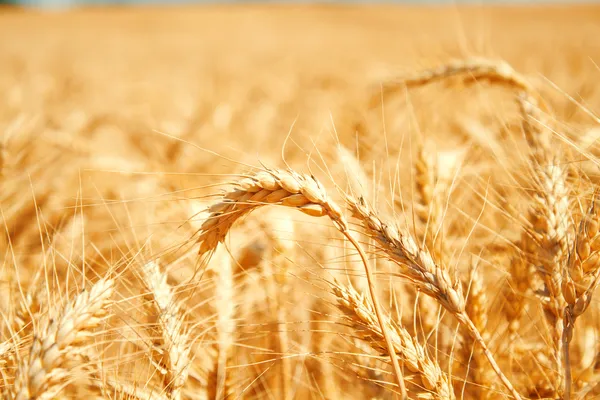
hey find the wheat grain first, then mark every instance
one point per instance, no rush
(581, 278)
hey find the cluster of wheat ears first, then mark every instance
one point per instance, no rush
(473, 288)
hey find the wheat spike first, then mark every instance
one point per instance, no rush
(60, 339)
(359, 311)
(268, 187)
(172, 345)
(581, 278)
(417, 265)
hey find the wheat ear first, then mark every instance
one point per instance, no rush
(478, 69)
(581, 278)
(59, 340)
(171, 347)
(269, 187)
(291, 189)
(359, 312)
(419, 267)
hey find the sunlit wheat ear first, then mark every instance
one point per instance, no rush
(549, 240)
(172, 345)
(417, 265)
(58, 342)
(550, 233)
(581, 277)
(268, 187)
(426, 374)
(290, 189)
(478, 69)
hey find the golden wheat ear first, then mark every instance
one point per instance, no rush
(581, 278)
(425, 374)
(171, 347)
(419, 267)
(59, 340)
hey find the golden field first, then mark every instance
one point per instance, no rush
(292, 202)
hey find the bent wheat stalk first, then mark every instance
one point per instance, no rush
(418, 266)
(291, 189)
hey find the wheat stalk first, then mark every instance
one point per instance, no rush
(59, 340)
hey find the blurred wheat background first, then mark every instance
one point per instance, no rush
(122, 131)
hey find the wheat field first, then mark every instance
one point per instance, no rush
(300, 202)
